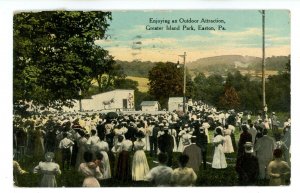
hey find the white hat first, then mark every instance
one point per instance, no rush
(248, 147)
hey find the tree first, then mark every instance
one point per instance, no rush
(230, 99)
(104, 69)
(126, 84)
(278, 90)
(55, 55)
(249, 92)
(166, 80)
(208, 89)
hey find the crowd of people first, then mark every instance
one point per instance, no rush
(102, 146)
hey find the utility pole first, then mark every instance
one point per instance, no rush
(80, 104)
(263, 59)
(184, 82)
(184, 79)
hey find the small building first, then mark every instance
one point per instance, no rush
(175, 103)
(116, 100)
(150, 105)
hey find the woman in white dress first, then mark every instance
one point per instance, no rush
(49, 170)
(183, 176)
(206, 126)
(148, 132)
(227, 146)
(90, 170)
(142, 130)
(119, 130)
(103, 148)
(140, 167)
(82, 147)
(173, 133)
(181, 133)
(219, 160)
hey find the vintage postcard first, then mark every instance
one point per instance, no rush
(151, 98)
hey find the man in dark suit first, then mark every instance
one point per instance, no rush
(194, 153)
(201, 142)
(166, 145)
(245, 136)
(247, 166)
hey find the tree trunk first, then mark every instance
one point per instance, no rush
(99, 78)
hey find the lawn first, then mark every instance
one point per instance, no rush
(143, 83)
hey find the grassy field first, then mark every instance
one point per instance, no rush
(143, 83)
(71, 178)
(208, 177)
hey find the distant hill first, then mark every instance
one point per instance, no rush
(216, 64)
(229, 62)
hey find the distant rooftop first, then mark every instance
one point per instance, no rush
(149, 103)
(176, 99)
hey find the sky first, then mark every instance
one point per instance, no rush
(128, 37)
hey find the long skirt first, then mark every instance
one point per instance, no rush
(227, 146)
(140, 167)
(219, 160)
(175, 144)
(106, 164)
(123, 166)
(90, 182)
(48, 180)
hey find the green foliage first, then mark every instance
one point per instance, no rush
(248, 91)
(278, 91)
(55, 55)
(208, 89)
(126, 84)
(230, 99)
(227, 63)
(242, 93)
(136, 68)
(166, 80)
(272, 63)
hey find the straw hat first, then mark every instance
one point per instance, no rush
(248, 147)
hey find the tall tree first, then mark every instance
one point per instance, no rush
(55, 55)
(230, 99)
(208, 89)
(166, 80)
(249, 92)
(278, 90)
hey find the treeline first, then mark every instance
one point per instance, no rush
(216, 65)
(224, 64)
(272, 63)
(136, 68)
(241, 92)
(233, 91)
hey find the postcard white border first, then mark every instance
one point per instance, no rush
(7, 7)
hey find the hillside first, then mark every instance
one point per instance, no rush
(216, 64)
(225, 60)
(223, 64)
